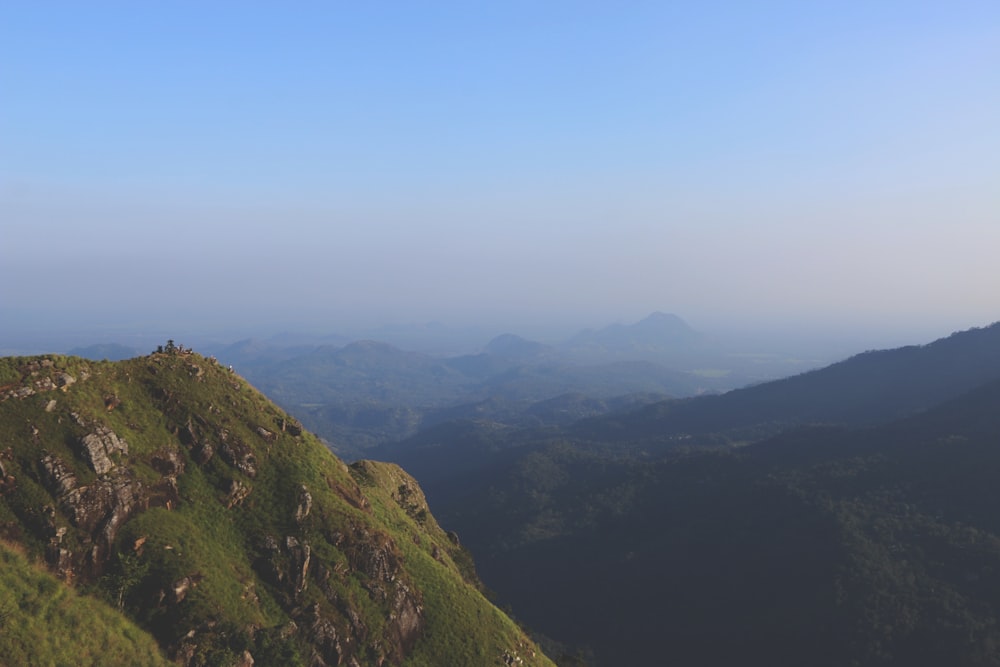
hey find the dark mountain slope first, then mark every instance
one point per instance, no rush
(170, 488)
(866, 389)
(823, 546)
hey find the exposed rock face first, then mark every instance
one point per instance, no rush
(238, 492)
(45, 384)
(202, 453)
(304, 506)
(301, 557)
(103, 507)
(99, 509)
(99, 446)
(60, 479)
(179, 589)
(290, 427)
(40, 376)
(290, 565)
(378, 558)
(168, 462)
(405, 621)
(239, 455)
(59, 559)
(328, 650)
(164, 493)
(22, 391)
(287, 565)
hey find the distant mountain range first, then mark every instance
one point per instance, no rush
(105, 351)
(868, 388)
(660, 337)
(364, 393)
(368, 393)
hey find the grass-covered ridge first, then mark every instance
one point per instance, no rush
(167, 486)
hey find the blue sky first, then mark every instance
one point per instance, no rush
(520, 164)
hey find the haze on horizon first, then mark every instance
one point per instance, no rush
(524, 166)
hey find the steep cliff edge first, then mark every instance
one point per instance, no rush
(169, 487)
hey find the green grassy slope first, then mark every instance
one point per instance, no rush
(169, 487)
(45, 622)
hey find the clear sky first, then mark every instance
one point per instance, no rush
(334, 164)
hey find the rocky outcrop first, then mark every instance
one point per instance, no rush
(323, 635)
(59, 558)
(179, 589)
(300, 557)
(237, 454)
(202, 452)
(305, 504)
(164, 493)
(168, 462)
(291, 427)
(376, 556)
(237, 493)
(40, 375)
(59, 477)
(101, 509)
(287, 565)
(406, 620)
(330, 649)
(98, 448)
(98, 510)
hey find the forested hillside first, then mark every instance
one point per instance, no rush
(826, 544)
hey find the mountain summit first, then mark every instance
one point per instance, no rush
(176, 494)
(660, 336)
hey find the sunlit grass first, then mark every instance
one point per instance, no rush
(45, 622)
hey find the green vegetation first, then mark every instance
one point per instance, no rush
(45, 622)
(824, 546)
(167, 487)
(452, 588)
